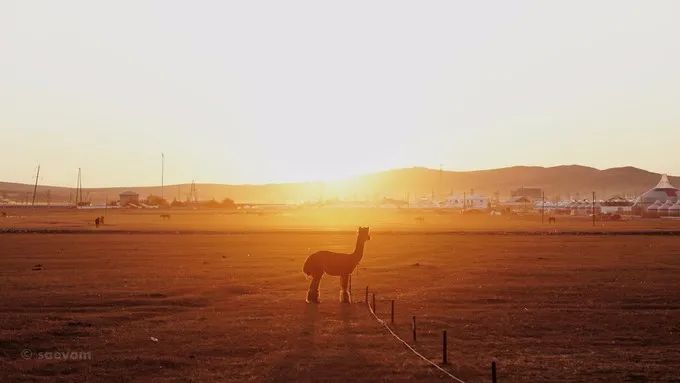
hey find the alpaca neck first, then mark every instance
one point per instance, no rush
(359, 250)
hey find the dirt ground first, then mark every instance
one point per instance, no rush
(219, 297)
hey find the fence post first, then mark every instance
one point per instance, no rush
(444, 348)
(413, 327)
(493, 372)
(392, 311)
(373, 302)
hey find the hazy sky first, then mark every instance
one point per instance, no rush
(268, 91)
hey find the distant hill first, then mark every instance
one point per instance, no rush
(560, 181)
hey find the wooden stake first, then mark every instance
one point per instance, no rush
(392, 311)
(413, 327)
(444, 348)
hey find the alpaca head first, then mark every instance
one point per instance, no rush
(363, 234)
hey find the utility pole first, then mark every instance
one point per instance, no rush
(439, 185)
(79, 190)
(162, 173)
(593, 208)
(35, 187)
(77, 187)
(543, 207)
(193, 195)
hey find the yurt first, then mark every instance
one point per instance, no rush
(572, 206)
(674, 211)
(663, 191)
(653, 209)
(663, 209)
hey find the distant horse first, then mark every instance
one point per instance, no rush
(335, 264)
(165, 217)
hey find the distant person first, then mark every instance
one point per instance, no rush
(96, 222)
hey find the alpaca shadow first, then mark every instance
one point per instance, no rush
(346, 364)
(288, 369)
(314, 359)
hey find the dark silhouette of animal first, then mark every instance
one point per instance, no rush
(551, 220)
(335, 264)
(165, 216)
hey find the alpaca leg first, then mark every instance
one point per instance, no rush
(344, 291)
(313, 292)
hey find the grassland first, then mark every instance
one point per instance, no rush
(218, 297)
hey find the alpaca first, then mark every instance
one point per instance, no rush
(335, 264)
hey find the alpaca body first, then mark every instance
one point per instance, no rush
(335, 264)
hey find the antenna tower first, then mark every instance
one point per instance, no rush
(162, 174)
(193, 196)
(35, 187)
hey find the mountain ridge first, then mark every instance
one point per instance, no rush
(561, 181)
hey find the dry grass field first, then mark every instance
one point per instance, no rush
(219, 297)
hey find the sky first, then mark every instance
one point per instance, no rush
(282, 91)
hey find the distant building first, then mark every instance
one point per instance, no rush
(532, 193)
(659, 200)
(469, 202)
(517, 203)
(617, 205)
(128, 197)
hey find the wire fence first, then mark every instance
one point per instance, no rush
(371, 309)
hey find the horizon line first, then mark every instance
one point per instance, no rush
(339, 179)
